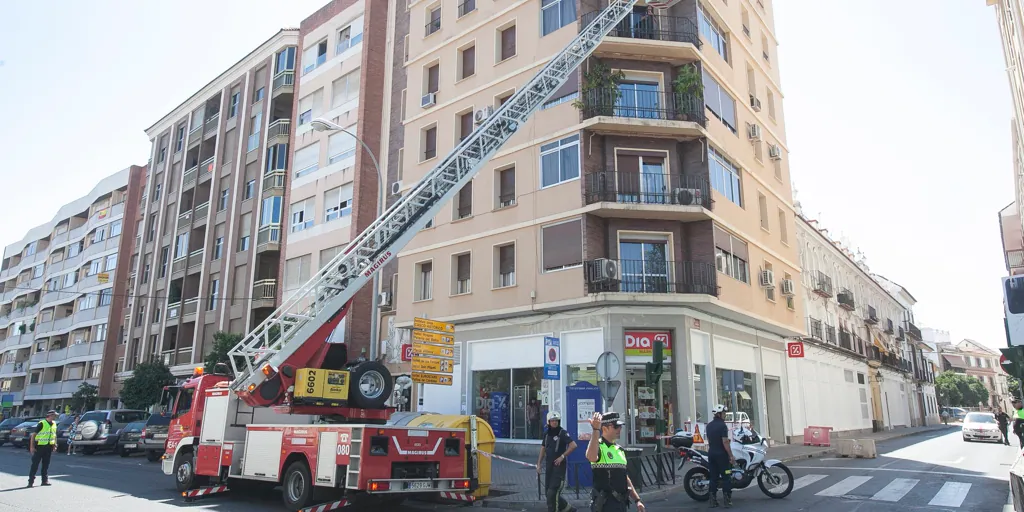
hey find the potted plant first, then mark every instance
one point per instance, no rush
(599, 91)
(688, 87)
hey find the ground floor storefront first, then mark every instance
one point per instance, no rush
(829, 388)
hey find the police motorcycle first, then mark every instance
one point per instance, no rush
(749, 449)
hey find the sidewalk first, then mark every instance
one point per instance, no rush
(515, 485)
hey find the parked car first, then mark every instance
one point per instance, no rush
(63, 434)
(7, 426)
(20, 434)
(130, 438)
(98, 430)
(955, 413)
(154, 436)
(981, 426)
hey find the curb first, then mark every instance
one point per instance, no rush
(825, 451)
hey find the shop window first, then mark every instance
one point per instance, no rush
(644, 401)
(741, 401)
(498, 394)
(701, 392)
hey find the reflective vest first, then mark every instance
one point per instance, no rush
(610, 470)
(1020, 414)
(47, 434)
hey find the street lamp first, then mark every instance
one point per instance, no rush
(323, 125)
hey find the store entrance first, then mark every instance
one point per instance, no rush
(642, 404)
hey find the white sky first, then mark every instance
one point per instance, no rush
(898, 117)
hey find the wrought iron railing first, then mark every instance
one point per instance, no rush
(655, 105)
(647, 188)
(650, 276)
(815, 329)
(830, 334)
(823, 285)
(653, 27)
(845, 298)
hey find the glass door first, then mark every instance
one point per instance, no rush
(638, 99)
(644, 266)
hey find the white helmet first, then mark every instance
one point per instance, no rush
(553, 415)
(718, 408)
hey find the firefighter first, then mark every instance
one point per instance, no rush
(41, 444)
(612, 487)
(557, 445)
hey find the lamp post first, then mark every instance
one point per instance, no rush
(323, 125)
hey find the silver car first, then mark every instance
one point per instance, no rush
(99, 430)
(981, 426)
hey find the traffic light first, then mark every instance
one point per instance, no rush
(1012, 361)
(657, 367)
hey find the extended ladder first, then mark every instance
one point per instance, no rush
(278, 337)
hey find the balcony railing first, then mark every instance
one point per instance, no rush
(206, 167)
(466, 7)
(1015, 259)
(201, 211)
(872, 316)
(195, 258)
(190, 176)
(283, 79)
(913, 331)
(889, 329)
(815, 329)
(269, 234)
(653, 105)
(264, 289)
(282, 127)
(647, 188)
(653, 27)
(845, 339)
(211, 123)
(433, 26)
(174, 309)
(190, 306)
(650, 276)
(845, 298)
(274, 180)
(830, 334)
(823, 285)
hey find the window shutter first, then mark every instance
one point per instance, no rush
(469, 61)
(508, 181)
(570, 86)
(508, 42)
(466, 196)
(431, 142)
(307, 157)
(628, 174)
(433, 75)
(739, 249)
(507, 259)
(563, 244)
(261, 78)
(462, 264)
(467, 124)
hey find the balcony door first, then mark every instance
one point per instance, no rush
(638, 25)
(638, 100)
(644, 266)
(641, 179)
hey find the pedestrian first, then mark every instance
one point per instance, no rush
(945, 416)
(1004, 422)
(612, 487)
(1018, 421)
(556, 445)
(41, 444)
(71, 434)
(720, 458)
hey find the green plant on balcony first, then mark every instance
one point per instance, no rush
(22, 329)
(32, 326)
(688, 86)
(599, 77)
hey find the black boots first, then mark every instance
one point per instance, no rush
(713, 502)
(728, 499)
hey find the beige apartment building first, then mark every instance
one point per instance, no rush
(63, 289)
(209, 253)
(635, 206)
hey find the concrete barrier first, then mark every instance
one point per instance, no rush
(860, 448)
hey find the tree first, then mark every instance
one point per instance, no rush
(960, 390)
(222, 343)
(979, 393)
(84, 399)
(1012, 386)
(143, 388)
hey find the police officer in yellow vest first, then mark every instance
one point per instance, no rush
(41, 444)
(612, 487)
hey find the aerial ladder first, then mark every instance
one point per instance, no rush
(297, 334)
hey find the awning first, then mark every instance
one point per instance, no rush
(955, 361)
(881, 346)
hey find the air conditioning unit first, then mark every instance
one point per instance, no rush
(755, 103)
(428, 100)
(604, 270)
(384, 300)
(774, 152)
(482, 114)
(767, 279)
(396, 188)
(754, 132)
(688, 196)
(788, 288)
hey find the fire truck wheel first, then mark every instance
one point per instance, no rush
(297, 486)
(184, 472)
(371, 385)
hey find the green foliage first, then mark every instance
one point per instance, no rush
(688, 81)
(222, 343)
(1013, 386)
(144, 387)
(960, 390)
(599, 76)
(84, 399)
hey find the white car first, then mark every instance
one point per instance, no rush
(981, 426)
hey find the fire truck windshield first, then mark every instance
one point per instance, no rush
(184, 402)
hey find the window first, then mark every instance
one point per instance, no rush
(163, 154)
(349, 37)
(180, 245)
(101, 330)
(644, 265)
(506, 187)
(302, 215)
(338, 202)
(37, 271)
(74, 250)
(88, 301)
(156, 315)
(770, 98)
(223, 203)
(327, 255)
(165, 257)
(111, 262)
(424, 280)
(506, 43)
(115, 228)
(762, 208)
(461, 265)
(94, 268)
(560, 161)
(310, 106)
(725, 177)
(271, 211)
(218, 248)
(713, 33)
(731, 255)
(214, 293)
(505, 264)
(99, 235)
(156, 192)
(285, 60)
(769, 292)
(277, 157)
(307, 160)
(257, 96)
(433, 19)
(562, 245)
(244, 236)
(465, 125)
(429, 137)
(340, 146)
(718, 101)
(433, 77)
(467, 62)
(236, 97)
(297, 271)
(179, 141)
(254, 131)
(500, 99)
(764, 49)
(463, 203)
(250, 189)
(345, 89)
(466, 7)
(556, 14)
(151, 232)
(314, 56)
(783, 229)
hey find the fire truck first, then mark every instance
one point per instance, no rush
(295, 410)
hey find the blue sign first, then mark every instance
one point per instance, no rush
(582, 400)
(732, 380)
(498, 414)
(552, 359)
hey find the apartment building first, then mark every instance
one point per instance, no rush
(208, 257)
(63, 290)
(649, 199)
(976, 360)
(338, 80)
(1012, 238)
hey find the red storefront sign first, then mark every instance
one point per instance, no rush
(795, 349)
(641, 343)
(407, 352)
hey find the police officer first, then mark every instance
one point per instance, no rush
(41, 444)
(612, 487)
(720, 457)
(556, 445)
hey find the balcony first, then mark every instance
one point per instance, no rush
(264, 293)
(269, 238)
(650, 37)
(178, 265)
(190, 307)
(1014, 261)
(845, 299)
(913, 331)
(626, 112)
(284, 83)
(830, 334)
(184, 219)
(641, 276)
(649, 195)
(279, 132)
(85, 349)
(823, 285)
(201, 212)
(212, 123)
(273, 182)
(189, 178)
(206, 168)
(872, 316)
(173, 310)
(845, 339)
(889, 329)
(195, 259)
(177, 357)
(12, 369)
(815, 329)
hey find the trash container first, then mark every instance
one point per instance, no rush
(634, 466)
(484, 441)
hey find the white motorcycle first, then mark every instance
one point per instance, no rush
(749, 449)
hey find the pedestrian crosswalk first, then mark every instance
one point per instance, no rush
(885, 489)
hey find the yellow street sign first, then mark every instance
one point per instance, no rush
(103, 277)
(420, 349)
(432, 325)
(425, 364)
(433, 337)
(431, 378)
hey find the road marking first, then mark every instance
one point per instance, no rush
(896, 490)
(806, 480)
(90, 468)
(952, 494)
(845, 486)
(948, 473)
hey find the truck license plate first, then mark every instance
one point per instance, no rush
(78, 437)
(419, 485)
(131, 446)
